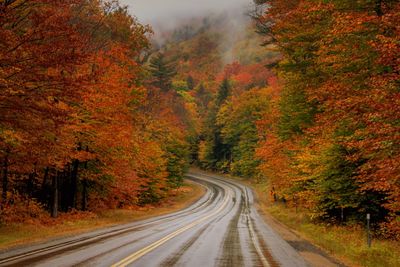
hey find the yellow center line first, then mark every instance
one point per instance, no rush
(133, 257)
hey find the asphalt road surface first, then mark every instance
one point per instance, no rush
(221, 229)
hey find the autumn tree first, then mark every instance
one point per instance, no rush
(339, 71)
(41, 53)
(71, 86)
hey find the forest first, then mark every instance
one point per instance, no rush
(304, 96)
(84, 125)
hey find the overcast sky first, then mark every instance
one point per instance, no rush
(169, 11)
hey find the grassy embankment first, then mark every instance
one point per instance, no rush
(346, 243)
(23, 234)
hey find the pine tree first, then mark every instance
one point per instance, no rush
(162, 71)
(217, 153)
(223, 93)
(203, 96)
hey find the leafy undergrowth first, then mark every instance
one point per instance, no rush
(347, 243)
(76, 222)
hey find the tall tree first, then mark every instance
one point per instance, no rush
(238, 119)
(216, 154)
(162, 71)
(344, 111)
(70, 86)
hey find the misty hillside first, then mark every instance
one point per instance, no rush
(204, 46)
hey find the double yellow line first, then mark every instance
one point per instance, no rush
(133, 257)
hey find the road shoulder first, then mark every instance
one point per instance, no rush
(312, 254)
(19, 236)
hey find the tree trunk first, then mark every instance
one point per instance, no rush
(5, 181)
(64, 195)
(378, 8)
(84, 195)
(84, 187)
(43, 194)
(45, 177)
(31, 183)
(74, 183)
(54, 206)
(341, 214)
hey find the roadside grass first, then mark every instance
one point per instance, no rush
(68, 225)
(346, 243)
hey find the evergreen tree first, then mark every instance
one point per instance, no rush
(162, 71)
(203, 96)
(297, 111)
(223, 93)
(217, 154)
(237, 119)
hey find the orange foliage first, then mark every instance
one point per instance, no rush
(347, 55)
(73, 111)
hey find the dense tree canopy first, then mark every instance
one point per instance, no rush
(74, 111)
(337, 122)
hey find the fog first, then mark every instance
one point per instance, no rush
(168, 11)
(165, 15)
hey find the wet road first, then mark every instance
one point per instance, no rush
(221, 229)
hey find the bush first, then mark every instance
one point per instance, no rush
(20, 209)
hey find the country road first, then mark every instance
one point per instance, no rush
(223, 228)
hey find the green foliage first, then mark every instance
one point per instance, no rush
(180, 86)
(162, 71)
(296, 111)
(203, 97)
(150, 193)
(223, 93)
(177, 162)
(237, 119)
(244, 163)
(335, 186)
(337, 106)
(216, 153)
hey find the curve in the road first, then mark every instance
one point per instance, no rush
(221, 229)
